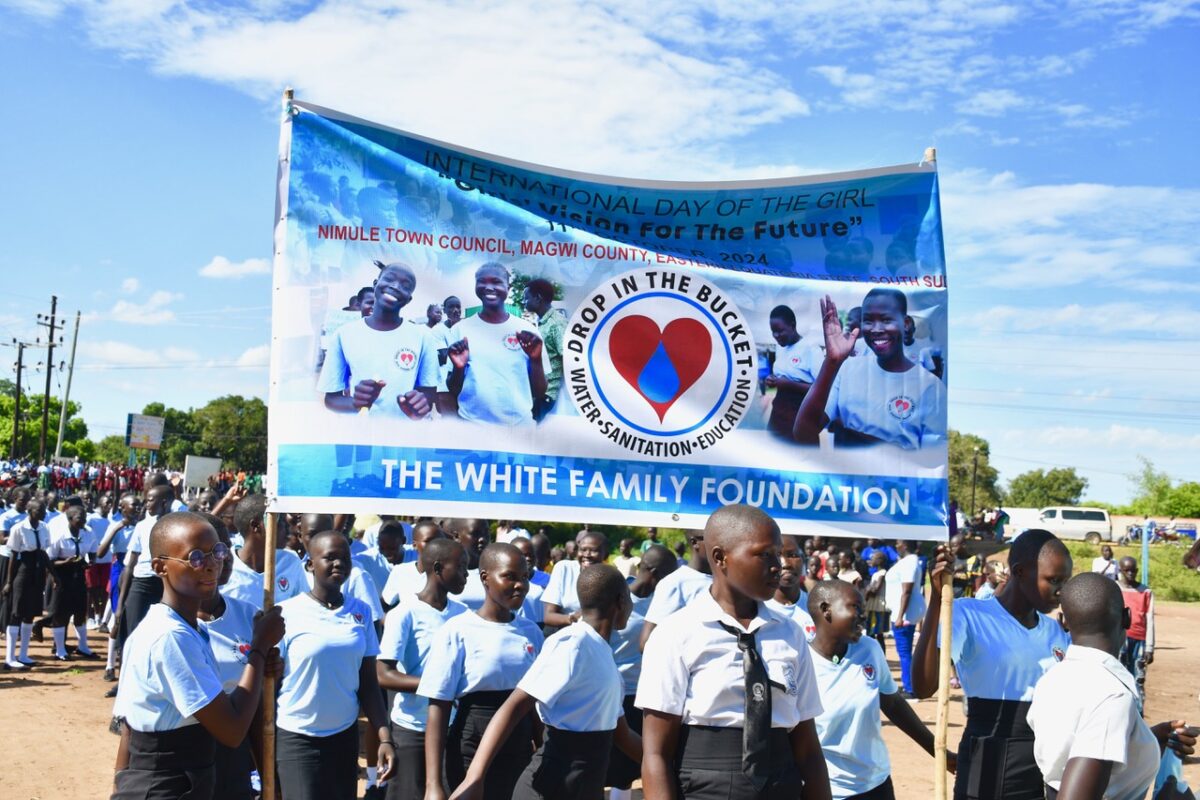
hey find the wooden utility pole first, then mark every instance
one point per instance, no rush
(53, 325)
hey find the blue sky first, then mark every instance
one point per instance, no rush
(139, 138)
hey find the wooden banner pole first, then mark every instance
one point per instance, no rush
(940, 732)
(267, 768)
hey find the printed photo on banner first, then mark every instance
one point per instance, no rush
(470, 331)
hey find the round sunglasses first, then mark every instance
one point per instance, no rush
(198, 558)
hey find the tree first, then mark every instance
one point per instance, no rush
(1152, 489)
(962, 463)
(180, 434)
(28, 440)
(112, 450)
(234, 428)
(1040, 488)
(1184, 500)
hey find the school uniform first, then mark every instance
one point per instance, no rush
(230, 636)
(675, 591)
(1087, 706)
(532, 608)
(478, 663)
(359, 586)
(850, 729)
(69, 598)
(119, 548)
(798, 612)
(8, 519)
(375, 564)
(907, 409)
(168, 673)
(496, 387)
(562, 590)
(28, 546)
(999, 661)
(145, 588)
(402, 580)
(627, 655)
(796, 362)
(247, 585)
(694, 668)
(539, 578)
(96, 573)
(579, 694)
(473, 594)
(317, 708)
(404, 358)
(408, 634)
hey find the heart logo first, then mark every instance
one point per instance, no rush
(512, 342)
(357, 617)
(243, 648)
(1059, 655)
(406, 359)
(901, 407)
(283, 583)
(869, 672)
(660, 364)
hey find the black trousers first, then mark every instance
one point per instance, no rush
(884, 791)
(318, 767)
(174, 765)
(475, 711)
(568, 764)
(710, 766)
(408, 782)
(995, 756)
(231, 772)
(623, 770)
(143, 593)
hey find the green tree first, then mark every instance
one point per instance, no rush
(112, 450)
(1152, 489)
(180, 434)
(29, 437)
(962, 464)
(234, 428)
(1040, 488)
(1184, 500)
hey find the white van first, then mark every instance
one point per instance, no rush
(1089, 524)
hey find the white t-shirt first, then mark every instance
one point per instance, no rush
(472, 654)
(626, 643)
(906, 570)
(673, 592)
(1106, 567)
(692, 667)
(496, 387)
(323, 650)
(404, 358)
(8, 519)
(797, 362)
(408, 634)
(850, 730)
(404, 579)
(983, 628)
(97, 525)
(798, 612)
(907, 409)
(139, 543)
(562, 590)
(230, 636)
(168, 673)
(576, 682)
(1087, 707)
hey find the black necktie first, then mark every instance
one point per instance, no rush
(756, 726)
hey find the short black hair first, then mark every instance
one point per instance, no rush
(166, 527)
(658, 558)
(439, 550)
(496, 551)
(1092, 604)
(392, 528)
(496, 267)
(600, 587)
(825, 592)
(541, 287)
(784, 313)
(1029, 545)
(321, 536)
(249, 510)
(731, 523)
(887, 291)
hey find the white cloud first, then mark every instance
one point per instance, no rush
(259, 356)
(154, 310)
(222, 267)
(101, 354)
(991, 103)
(130, 285)
(1125, 437)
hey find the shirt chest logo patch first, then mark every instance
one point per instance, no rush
(357, 617)
(901, 406)
(530, 650)
(1059, 655)
(869, 673)
(406, 358)
(242, 649)
(511, 342)
(284, 583)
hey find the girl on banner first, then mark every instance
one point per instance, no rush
(792, 374)
(867, 400)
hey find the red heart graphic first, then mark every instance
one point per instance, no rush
(634, 341)
(902, 405)
(406, 357)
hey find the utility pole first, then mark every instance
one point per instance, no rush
(62, 417)
(12, 453)
(53, 326)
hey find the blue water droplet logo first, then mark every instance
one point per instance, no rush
(658, 380)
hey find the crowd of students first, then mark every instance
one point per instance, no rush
(486, 670)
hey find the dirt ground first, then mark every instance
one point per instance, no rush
(55, 720)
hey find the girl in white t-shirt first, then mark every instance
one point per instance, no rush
(792, 374)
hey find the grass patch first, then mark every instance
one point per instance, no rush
(1169, 578)
(73, 671)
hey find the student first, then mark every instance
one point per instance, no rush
(551, 325)
(995, 575)
(577, 691)
(1090, 739)
(408, 634)
(878, 616)
(657, 563)
(790, 599)
(170, 695)
(328, 672)
(382, 363)
(560, 599)
(627, 563)
(847, 571)
(727, 688)
(229, 624)
(1000, 648)
(409, 578)
(476, 661)
(868, 400)
(856, 684)
(792, 374)
(650, 540)
(906, 604)
(498, 362)
(677, 589)
(18, 499)
(24, 582)
(97, 572)
(1138, 651)
(533, 608)
(140, 585)
(68, 557)
(387, 554)
(358, 583)
(1105, 564)
(246, 581)
(472, 534)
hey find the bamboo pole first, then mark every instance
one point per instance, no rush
(940, 779)
(267, 768)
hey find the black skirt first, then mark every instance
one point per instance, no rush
(231, 773)
(4, 598)
(710, 766)
(408, 781)
(29, 584)
(474, 712)
(318, 767)
(69, 598)
(173, 765)
(623, 770)
(995, 756)
(568, 764)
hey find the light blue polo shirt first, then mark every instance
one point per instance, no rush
(798, 612)
(983, 628)
(850, 729)
(626, 643)
(471, 654)
(168, 673)
(473, 593)
(230, 636)
(359, 586)
(576, 682)
(674, 591)
(323, 650)
(563, 588)
(408, 633)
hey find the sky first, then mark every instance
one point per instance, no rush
(138, 146)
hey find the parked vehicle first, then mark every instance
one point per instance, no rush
(1089, 524)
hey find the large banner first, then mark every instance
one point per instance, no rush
(461, 334)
